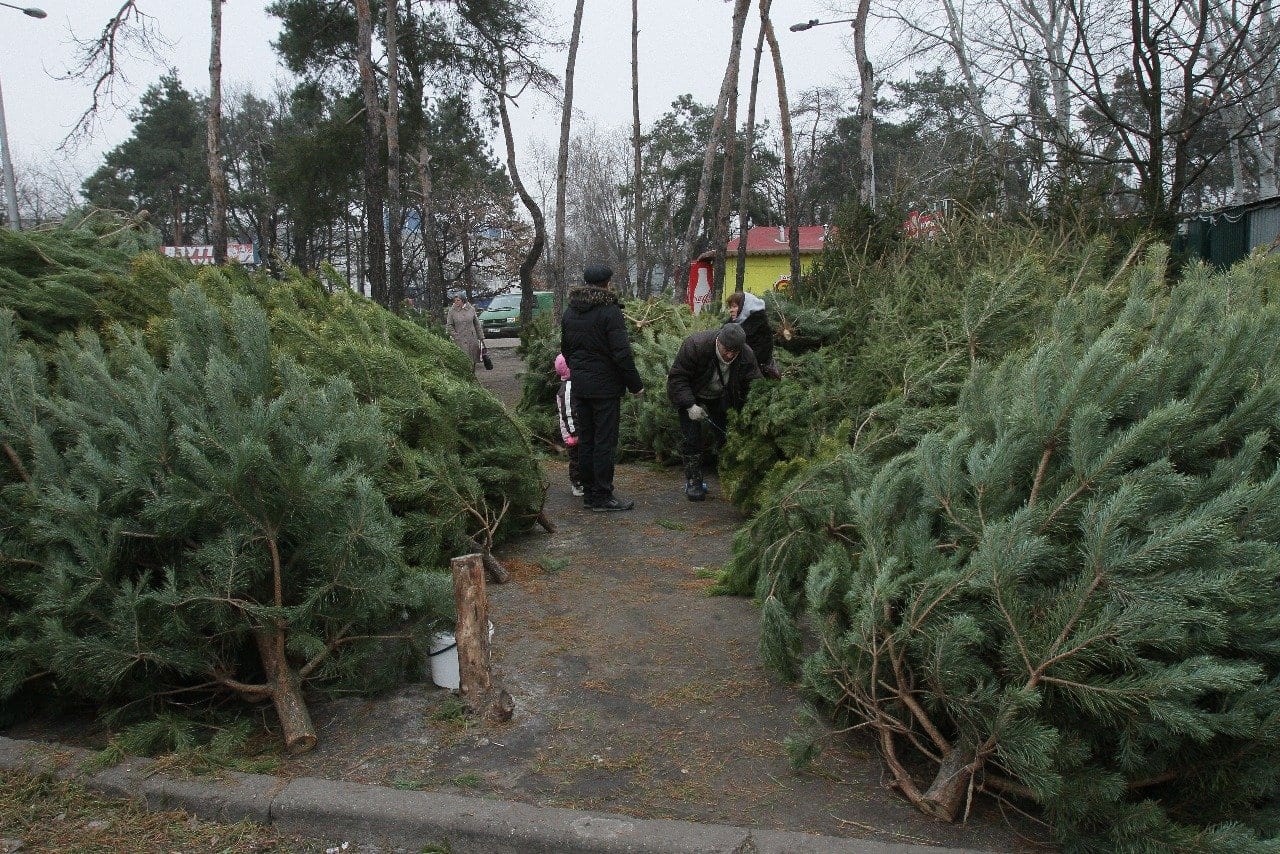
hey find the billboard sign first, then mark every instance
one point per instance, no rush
(242, 252)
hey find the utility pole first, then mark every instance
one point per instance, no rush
(6, 162)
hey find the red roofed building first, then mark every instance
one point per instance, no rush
(769, 257)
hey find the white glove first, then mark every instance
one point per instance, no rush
(696, 413)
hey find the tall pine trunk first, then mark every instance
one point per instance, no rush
(643, 284)
(744, 189)
(435, 290)
(684, 253)
(561, 284)
(788, 145)
(866, 106)
(395, 205)
(376, 252)
(720, 229)
(213, 135)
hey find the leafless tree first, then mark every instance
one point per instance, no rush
(1254, 122)
(435, 289)
(47, 190)
(748, 149)
(866, 104)
(637, 191)
(395, 203)
(729, 160)
(503, 94)
(1154, 77)
(560, 282)
(603, 226)
(790, 206)
(213, 137)
(375, 234)
(129, 32)
(714, 139)
(819, 107)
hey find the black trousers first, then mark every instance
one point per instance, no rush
(597, 445)
(716, 418)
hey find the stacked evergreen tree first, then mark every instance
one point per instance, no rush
(222, 482)
(199, 522)
(1070, 593)
(896, 336)
(460, 469)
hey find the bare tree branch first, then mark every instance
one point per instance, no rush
(128, 33)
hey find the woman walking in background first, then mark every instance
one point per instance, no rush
(464, 328)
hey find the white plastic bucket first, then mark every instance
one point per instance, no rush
(444, 659)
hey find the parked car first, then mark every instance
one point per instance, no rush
(502, 318)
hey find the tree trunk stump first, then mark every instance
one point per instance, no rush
(475, 679)
(286, 693)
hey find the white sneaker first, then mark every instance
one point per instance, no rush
(577, 490)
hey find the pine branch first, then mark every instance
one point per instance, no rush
(244, 689)
(308, 668)
(16, 462)
(1049, 448)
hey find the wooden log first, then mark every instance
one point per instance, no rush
(546, 522)
(472, 631)
(946, 795)
(286, 693)
(494, 568)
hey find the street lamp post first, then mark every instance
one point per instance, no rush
(866, 102)
(6, 162)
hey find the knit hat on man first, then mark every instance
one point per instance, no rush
(597, 274)
(731, 337)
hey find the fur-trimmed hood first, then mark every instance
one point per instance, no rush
(593, 339)
(584, 297)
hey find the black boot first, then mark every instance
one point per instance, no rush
(695, 488)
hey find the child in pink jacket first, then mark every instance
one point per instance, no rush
(568, 427)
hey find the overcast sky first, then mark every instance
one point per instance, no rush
(683, 44)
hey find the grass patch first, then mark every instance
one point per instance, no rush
(451, 710)
(407, 784)
(53, 815)
(469, 780)
(553, 564)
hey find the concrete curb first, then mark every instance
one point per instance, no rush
(333, 809)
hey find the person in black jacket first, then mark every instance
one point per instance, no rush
(711, 374)
(593, 339)
(750, 311)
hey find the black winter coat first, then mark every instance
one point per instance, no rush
(759, 336)
(593, 339)
(691, 371)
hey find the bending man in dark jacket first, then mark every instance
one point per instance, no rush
(711, 374)
(593, 339)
